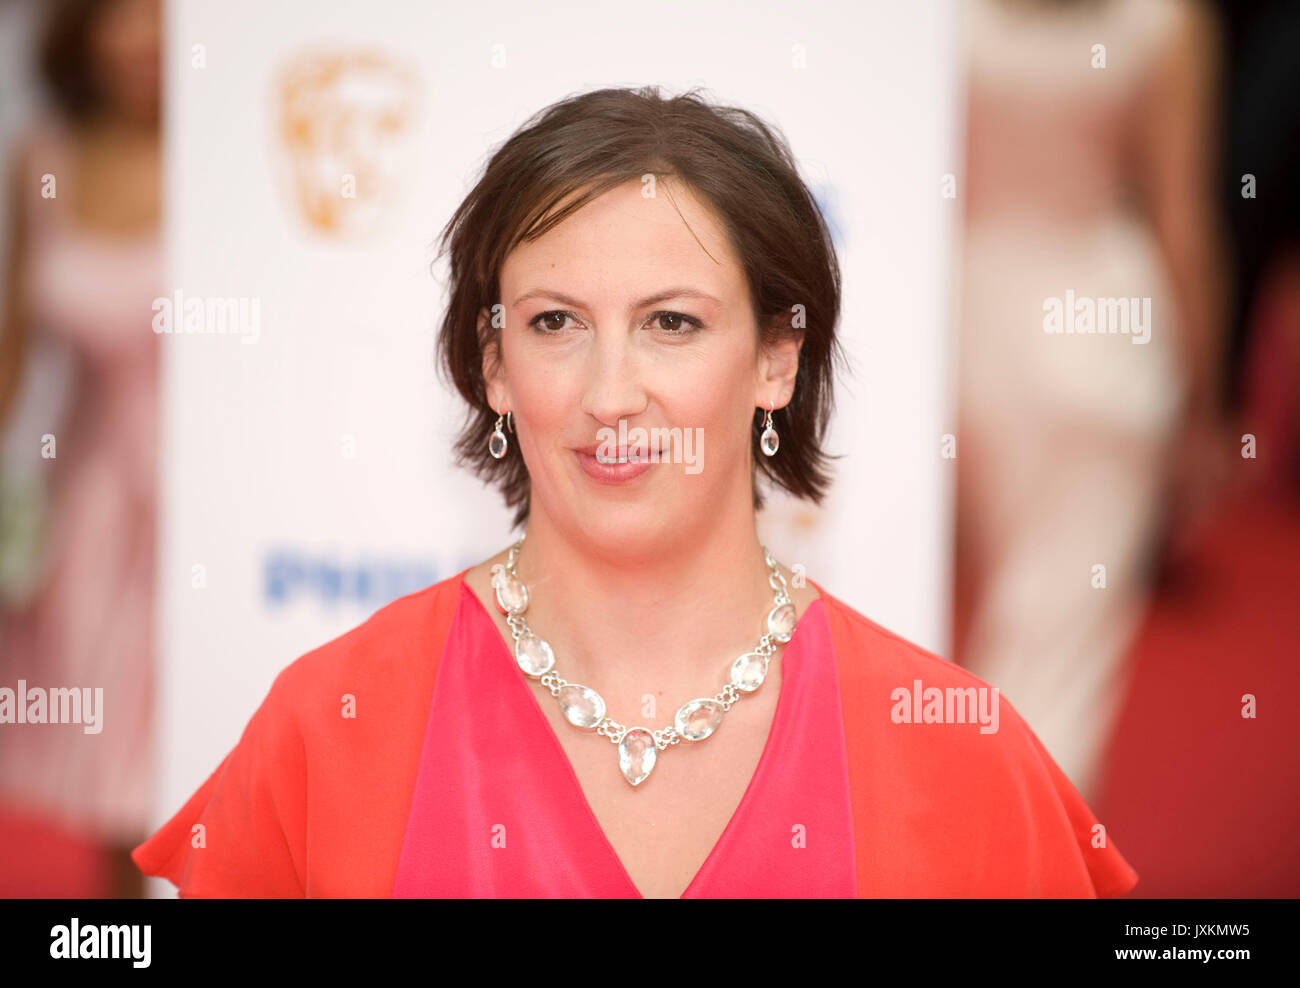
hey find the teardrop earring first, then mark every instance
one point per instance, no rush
(497, 444)
(769, 441)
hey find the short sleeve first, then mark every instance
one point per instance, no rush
(944, 808)
(241, 834)
(1110, 874)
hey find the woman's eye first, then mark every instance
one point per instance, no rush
(547, 322)
(672, 323)
(676, 323)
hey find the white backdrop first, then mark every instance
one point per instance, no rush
(308, 475)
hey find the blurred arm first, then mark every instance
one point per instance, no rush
(14, 330)
(1178, 136)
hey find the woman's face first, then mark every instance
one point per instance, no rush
(629, 312)
(125, 47)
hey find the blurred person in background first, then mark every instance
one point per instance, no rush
(1220, 634)
(1263, 149)
(1090, 176)
(84, 266)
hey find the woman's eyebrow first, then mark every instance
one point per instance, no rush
(654, 299)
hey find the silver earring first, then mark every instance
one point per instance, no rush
(769, 441)
(497, 444)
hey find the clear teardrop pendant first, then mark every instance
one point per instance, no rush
(637, 754)
(534, 656)
(770, 441)
(497, 444)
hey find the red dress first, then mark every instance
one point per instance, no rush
(431, 790)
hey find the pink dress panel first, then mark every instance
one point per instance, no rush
(492, 765)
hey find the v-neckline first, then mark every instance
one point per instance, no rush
(767, 754)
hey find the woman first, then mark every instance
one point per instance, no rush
(85, 266)
(629, 261)
(1092, 177)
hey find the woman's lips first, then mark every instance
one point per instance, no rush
(611, 473)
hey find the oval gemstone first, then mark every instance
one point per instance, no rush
(698, 719)
(780, 622)
(771, 442)
(581, 705)
(534, 655)
(636, 754)
(512, 595)
(749, 671)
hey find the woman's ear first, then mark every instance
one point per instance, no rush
(778, 366)
(493, 369)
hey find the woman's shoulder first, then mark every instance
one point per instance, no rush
(882, 671)
(393, 647)
(979, 803)
(325, 763)
(876, 650)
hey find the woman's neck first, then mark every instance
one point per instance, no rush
(630, 619)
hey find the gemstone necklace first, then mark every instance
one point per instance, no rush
(583, 707)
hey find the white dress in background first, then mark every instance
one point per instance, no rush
(1061, 436)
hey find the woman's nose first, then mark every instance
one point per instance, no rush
(613, 388)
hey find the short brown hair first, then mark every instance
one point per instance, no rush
(588, 144)
(65, 57)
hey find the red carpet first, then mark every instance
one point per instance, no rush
(44, 861)
(1202, 801)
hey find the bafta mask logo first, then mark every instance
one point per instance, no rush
(345, 124)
